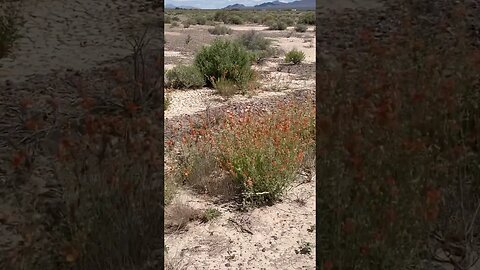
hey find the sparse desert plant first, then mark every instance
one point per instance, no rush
(174, 24)
(166, 102)
(220, 30)
(186, 24)
(188, 39)
(295, 57)
(225, 59)
(167, 19)
(175, 19)
(225, 87)
(211, 214)
(201, 20)
(183, 76)
(301, 28)
(259, 45)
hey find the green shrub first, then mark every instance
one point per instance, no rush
(258, 44)
(301, 28)
(225, 59)
(276, 25)
(288, 21)
(235, 19)
(294, 56)
(201, 20)
(220, 30)
(307, 18)
(185, 77)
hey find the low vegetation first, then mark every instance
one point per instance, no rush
(259, 45)
(225, 60)
(183, 76)
(295, 57)
(220, 30)
(261, 154)
(301, 28)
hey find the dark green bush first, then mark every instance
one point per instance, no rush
(307, 18)
(184, 77)
(227, 60)
(276, 25)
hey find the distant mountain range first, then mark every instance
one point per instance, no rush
(300, 4)
(169, 6)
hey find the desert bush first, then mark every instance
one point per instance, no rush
(227, 17)
(397, 146)
(175, 19)
(220, 30)
(9, 26)
(294, 56)
(258, 44)
(225, 59)
(201, 20)
(225, 87)
(288, 21)
(301, 28)
(186, 24)
(182, 76)
(235, 19)
(276, 25)
(307, 18)
(174, 24)
(262, 152)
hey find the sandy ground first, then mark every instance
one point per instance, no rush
(277, 232)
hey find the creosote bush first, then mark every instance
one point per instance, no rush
(301, 28)
(307, 18)
(294, 56)
(276, 25)
(225, 59)
(182, 76)
(220, 30)
(258, 44)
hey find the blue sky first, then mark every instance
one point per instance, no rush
(217, 3)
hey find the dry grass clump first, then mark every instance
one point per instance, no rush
(398, 149)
